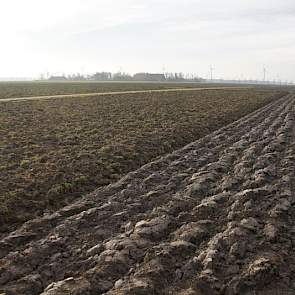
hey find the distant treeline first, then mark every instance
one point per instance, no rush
(121, 76)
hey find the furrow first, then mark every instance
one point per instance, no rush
(215, 217)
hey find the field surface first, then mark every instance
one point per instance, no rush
(96, 94)
(54, 151)
(216, 217)
(27, 89)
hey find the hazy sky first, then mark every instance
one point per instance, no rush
(238, 37)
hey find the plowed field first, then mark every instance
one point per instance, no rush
(54, 151)
(215, 217)
(27, 89)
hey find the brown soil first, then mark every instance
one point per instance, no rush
(215, 217)
(26, 89)
(54, 151)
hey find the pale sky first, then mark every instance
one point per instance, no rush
(238, 37)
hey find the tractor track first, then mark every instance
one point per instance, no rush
(215, 217)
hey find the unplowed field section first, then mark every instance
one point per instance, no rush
(215, 217)
(54, 151)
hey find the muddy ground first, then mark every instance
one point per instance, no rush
(216, 217)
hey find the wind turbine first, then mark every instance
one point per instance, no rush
(211, 73)
(264, 74)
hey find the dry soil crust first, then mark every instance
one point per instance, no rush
(216, 217)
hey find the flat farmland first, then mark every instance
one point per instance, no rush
(27, 89)
(54, 151)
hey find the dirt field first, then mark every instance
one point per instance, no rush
(25, 89)
(54, 151)
(216, 217)
(137, 92)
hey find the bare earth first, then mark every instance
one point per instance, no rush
(119, 93)
(216, 217)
